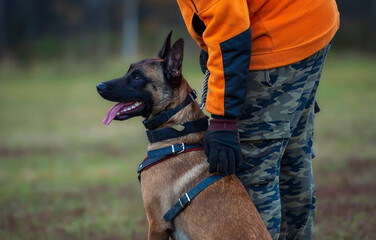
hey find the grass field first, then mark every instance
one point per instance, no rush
(65, 175)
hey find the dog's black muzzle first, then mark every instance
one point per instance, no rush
(106, 91)
(101, 88)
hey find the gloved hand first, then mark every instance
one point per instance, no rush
(222, 146)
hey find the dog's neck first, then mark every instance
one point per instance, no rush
(189, 113)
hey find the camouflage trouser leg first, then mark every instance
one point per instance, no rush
(276, 133)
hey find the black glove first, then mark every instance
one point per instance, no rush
(222, 146)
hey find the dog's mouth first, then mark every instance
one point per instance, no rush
(124, 110)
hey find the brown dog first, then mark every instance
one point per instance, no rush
(221, 211)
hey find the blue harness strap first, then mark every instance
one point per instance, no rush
(159, 154)
(172, 150)
(187, 197)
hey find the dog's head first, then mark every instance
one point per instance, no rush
(148, 86)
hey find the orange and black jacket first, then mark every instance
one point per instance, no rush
(243, 35)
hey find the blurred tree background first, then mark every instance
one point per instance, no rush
(65, 175)
(47, 29)
(92, 28)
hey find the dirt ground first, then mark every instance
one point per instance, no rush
(346, 201)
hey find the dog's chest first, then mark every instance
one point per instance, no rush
(178, 234)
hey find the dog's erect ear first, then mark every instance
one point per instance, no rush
(166, 46)
(173, 62)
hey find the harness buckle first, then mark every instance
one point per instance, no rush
(182, 148)
(182, 145)
(184, 201)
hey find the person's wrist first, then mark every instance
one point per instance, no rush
(222, 124)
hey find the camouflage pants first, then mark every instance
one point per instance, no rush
(276, 134)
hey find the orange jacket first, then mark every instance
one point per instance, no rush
(243, 35)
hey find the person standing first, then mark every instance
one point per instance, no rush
(265, 59)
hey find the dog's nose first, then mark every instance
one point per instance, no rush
(101, 87)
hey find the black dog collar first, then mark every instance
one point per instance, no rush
(171, 132)
(163, 117)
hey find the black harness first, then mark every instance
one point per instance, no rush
(177, 131)
(158, 155)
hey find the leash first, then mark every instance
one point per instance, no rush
(187, 197)
(163, 117)
(204, 91)
(177, 131)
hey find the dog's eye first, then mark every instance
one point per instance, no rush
(137, 78)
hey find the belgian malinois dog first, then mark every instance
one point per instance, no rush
(221, 211)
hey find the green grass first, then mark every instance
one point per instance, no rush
(347, 97)
(65, 175)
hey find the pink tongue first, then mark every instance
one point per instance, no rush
(112, 112)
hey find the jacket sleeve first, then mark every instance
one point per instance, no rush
(226, 36)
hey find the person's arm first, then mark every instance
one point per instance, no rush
(223, 30)
(227, 37)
